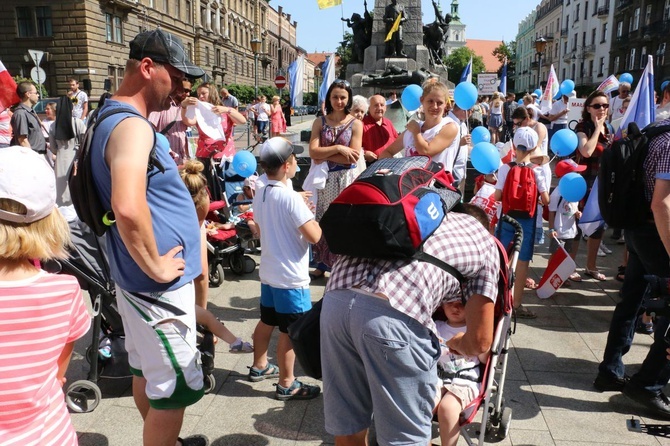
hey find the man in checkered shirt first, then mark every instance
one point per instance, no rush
(379, 345)
(648, 248)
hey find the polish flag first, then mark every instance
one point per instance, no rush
(8, 96)
(558, 270)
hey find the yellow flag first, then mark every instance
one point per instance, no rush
(394, 28)
(323, 4)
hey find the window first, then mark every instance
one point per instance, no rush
(166, 6)
(601, 67)
(586, 10)
(189, 11)
(177, 9)
(619, 28)
(577, 13)
(113, 29)
(660, 54)
(590, 68)
(115, 76)
(152, 3)
(34, 22)
(574, 43)
(603, 33)
(218, 58)
(643, 57)
(593, 36)
(189, 49)
(647, 16)
(563, 77)
(636, 19)
(666, 10)
(631, 59)
(584, 38)
(203, 16)
(616, 64)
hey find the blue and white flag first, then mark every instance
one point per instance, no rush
(296, 80)
(328, 71)
(591, 219)
(642, 108)
(503, 79)
(466, 76)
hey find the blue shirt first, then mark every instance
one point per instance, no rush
(173, 215)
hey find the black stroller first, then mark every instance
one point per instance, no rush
(106, 354)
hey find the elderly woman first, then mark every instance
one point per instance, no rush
(359, 106)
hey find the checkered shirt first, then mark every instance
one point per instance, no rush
(657, 163)
(417, 288)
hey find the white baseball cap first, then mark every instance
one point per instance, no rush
(26, 178)
(525, 138)
(276, 151)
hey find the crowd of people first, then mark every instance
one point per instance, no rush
(381, 348)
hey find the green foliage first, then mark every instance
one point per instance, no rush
(346, 53)
(43, 93)
(309, 98)
(243, 93)
(506, 50)
(459, 59)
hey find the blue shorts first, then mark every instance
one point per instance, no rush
(377, 359)
(506, 233)
(281, 307)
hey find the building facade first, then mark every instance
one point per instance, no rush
(547, 26)
(88, 39)
(525, 79)
(456, 33)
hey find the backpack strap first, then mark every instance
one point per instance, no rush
(425, 257)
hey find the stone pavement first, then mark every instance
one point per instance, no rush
(549, 385)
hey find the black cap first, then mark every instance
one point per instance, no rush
(163, 47)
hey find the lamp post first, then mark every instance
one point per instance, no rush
(255, 47)
(540, 46)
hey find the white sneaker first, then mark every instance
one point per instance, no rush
(601, 253)
(605, 249)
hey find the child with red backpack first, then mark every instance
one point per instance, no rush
(518, 187)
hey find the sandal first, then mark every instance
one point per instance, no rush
(194, 440)
(297, 391)
(240, 346)
(530, 284)
(524, 313)
(595, 274)
(270, 371)
(575, 277)
(621, 273)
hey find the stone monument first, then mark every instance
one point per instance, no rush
(382, 73)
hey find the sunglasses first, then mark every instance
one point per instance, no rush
(339, 82)
(599, 106)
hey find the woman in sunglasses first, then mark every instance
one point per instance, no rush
(594, 134)
(336, 139)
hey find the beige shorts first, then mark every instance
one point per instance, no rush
(464, 391)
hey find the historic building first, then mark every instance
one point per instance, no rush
(88, 39)
(525, 78)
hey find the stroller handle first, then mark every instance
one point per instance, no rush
(518, 232)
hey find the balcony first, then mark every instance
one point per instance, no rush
(604, 11)
(622, 4)
(564, 32)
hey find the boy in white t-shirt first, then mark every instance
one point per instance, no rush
(563, 216)
(287, 227)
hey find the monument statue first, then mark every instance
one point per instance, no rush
(395, 76)
(394, 46)
(361, 28)
(435, 34)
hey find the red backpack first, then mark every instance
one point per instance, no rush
(519, 194)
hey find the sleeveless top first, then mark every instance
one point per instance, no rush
(497, 110)
(173, 216)
(428, 135)
(330, 136)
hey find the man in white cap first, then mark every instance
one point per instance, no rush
(287, 227)
(154, 244)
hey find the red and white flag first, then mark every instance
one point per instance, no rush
(558, 270)
(8, 96)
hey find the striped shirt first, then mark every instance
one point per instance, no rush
(38, 317)
(417, 288)
(657, 163)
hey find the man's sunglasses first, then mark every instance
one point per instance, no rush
(599, 106)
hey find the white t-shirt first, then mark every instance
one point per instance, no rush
(447, 156)
(557, 108)
(78, 100)
(262, 111)
(565, 224)
(279, 212)
(452, 363)
(504, 170)
(461, 161)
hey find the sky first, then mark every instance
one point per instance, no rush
(321, 29)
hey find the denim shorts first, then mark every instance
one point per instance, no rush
(377, 359)
(506, 233)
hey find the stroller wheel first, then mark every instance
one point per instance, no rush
(236, 262)
(249, 264)
(215, 275)
(83, 396)
(209, 382)
(505, 421)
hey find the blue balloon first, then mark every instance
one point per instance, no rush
(480, 134)
(538, 92)
(244, 163)
(567, 86)
(465, 95)
(485, 158)
(572, 187)
(564, 142)
(558, 95)
(663, 85)
(626, 77)
(520, 102)
(411, 97)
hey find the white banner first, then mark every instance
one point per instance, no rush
(487, 83)
(575, 108)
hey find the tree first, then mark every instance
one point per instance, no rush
(346, 53)
(459, 59)
(507, 51)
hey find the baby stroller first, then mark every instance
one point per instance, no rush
(106, 355)
(496, 416)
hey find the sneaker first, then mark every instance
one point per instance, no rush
(609, 383)
(656, 403)
(601, 253)
(621, 240)
(644, 327)
(605, 249)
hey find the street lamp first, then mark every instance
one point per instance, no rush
(540, 46)
(256, 48)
